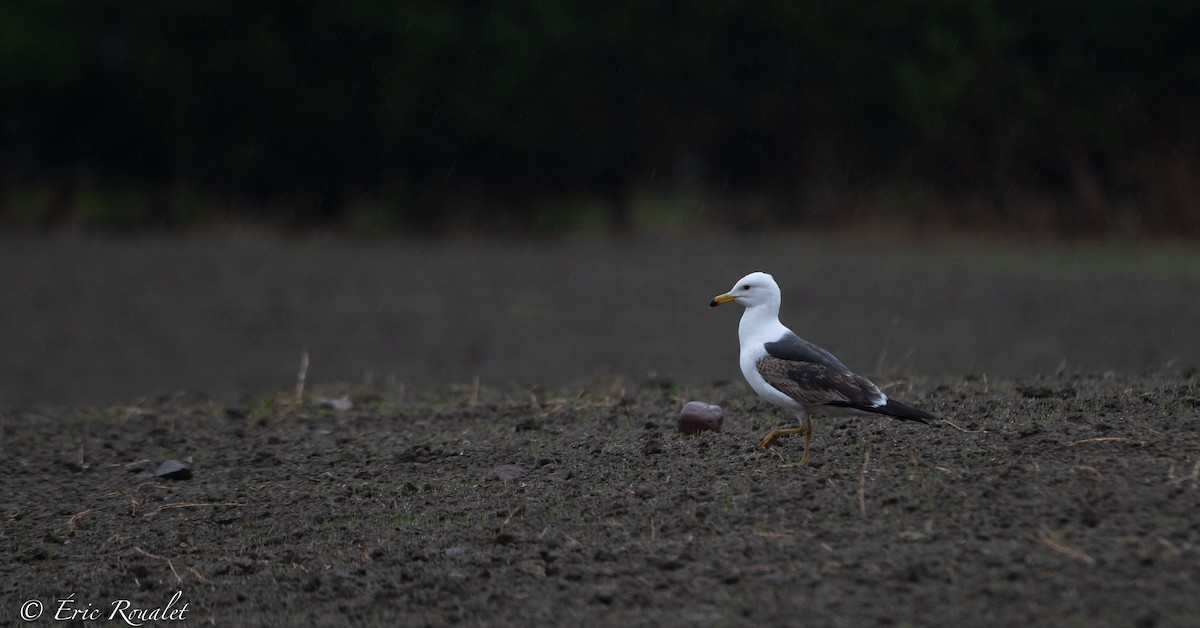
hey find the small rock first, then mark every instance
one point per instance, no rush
(697, 416)
(71, 465)
(505, 473)
(340, 404)
(604, 593)
(505, 538)
(1035, 392)
(173, 470)
(243, 566)
(420, 454)
(534, 568)
(1089, 517)
(666, 563)
(651, 447)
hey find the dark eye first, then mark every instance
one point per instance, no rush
(746, 287)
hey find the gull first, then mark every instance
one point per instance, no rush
(793, 373)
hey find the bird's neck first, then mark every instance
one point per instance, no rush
(758, 321)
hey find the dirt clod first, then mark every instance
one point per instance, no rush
(505, 473)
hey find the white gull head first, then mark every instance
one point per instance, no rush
(761, 297)
(754, 290)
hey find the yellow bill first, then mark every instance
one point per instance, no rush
(721, 299)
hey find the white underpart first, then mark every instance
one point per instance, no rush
(753, 334)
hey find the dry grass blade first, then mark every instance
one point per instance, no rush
(1103, 439)
(1093, 471)
(862, 482)
(162, 558)
(1062, 548)
(301, 376)
(887, 339)
(126, 465)
(785, 534)
(187, 505)
(1171, 548)
(75, 519)
(134, 504)
(1194, 476)
(962, 429)
(195, 574)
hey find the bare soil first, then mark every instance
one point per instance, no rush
(1040, 502)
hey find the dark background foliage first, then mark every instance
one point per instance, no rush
(1068, 116)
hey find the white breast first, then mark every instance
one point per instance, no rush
(750, 355)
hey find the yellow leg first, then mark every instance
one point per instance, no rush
(780, 432)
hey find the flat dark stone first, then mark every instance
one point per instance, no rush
(173, 470)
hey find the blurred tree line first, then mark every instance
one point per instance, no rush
(1064, 115)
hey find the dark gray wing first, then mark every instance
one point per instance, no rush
(796, 349)
(811, 383)
(815, 384)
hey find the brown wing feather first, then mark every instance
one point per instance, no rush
(818, 384)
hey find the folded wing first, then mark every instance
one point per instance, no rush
(824, 384)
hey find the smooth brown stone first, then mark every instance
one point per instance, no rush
(697, 416)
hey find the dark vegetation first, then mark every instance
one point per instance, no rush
(1063, 117)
